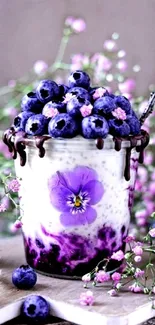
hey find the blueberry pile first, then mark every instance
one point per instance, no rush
(76, 109)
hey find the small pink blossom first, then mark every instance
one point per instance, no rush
(110, 45)
(135, 288)
(3, 207)
(4, 150)
(129, 239)
(152, 188)
(87, 298)
(141, 214)
(40, 67)
(137, 250)
(127, 86)
(102, 276)
(139, 273)
(14, 227)
(99, 92)
(116, 276)
(86, 110)
(12, 83)
(119, 113)
(148, 158)
(78, 25)
(14, 185)
(86, 277)
(137, 259)
(152, 232)
(119, 255)
(69, 21)
(142, 174)
(49, 111)
(141, 221)
(67, 97)
(122, 65)
(112, 292)
(11, 111)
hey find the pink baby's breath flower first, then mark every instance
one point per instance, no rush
(69, 21)
(116, 276)
(139, 273)
(49, 111)
(122, 65)
(3, 207)
(137, 250)
(86, 298)
(112, 293)
(14, 227)
(99, 92)
(78, 25)
(40, 67)
(11, 111)
(119, 113)
(152, 232)
(135, 288)
(86, 277)
(137, 259)
(127, 86)
(119, 255)
(148, 158)
(110, 45)
(129, 239)
(67, 97)
(86, 110)
(14, 185)
(12, 83)
(102, 276)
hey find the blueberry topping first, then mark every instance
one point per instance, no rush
(79, 92)
(31, 103)
(47, 90)
(36, 125)
(123, 102)
(104, 106)
(79, 78)
(118, 128)
(94, 127)
(20, 121)
(63, 125)
(24, 277)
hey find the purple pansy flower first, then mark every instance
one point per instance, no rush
(74, 193)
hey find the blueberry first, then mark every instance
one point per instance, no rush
(36, 125)
(47, 90)
(35, 308)
(134, 124)
(31, 103)
(20, 121)
(63, 125)
(79, 78)
(74, 105)
(24, 277)
(104, 106)
(123, 103)
(94, 127)
(53, 108)
(63, 89)
(118, 128)
(80, 92)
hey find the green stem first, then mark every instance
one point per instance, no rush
(62, 48)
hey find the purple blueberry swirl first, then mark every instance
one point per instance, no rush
(75, 193)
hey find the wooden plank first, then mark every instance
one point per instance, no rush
(63, 295)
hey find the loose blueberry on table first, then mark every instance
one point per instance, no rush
(65, 111)
(35, 308)
(24, 277)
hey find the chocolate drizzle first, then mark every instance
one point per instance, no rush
(39, 140)
(17, 142)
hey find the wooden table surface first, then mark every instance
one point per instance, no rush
(63, 295)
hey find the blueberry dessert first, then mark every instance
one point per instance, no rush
(76, 147)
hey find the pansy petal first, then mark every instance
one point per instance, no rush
(87, 217)
(85, 174)
(95, 191)
(59, 194)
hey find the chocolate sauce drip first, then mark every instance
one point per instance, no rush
(39, 144)
(100, 143)
(20, 145)
(20, 141)
(118, 143)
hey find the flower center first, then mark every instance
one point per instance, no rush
(78, 201)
